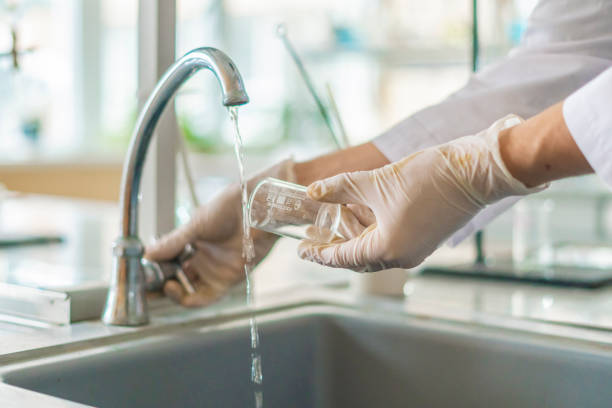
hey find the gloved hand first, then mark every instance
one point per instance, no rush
(417, 202)
(215, 232)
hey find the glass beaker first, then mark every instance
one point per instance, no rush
(285, 209)
(532, 244)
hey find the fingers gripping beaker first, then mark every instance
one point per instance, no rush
(285, 209)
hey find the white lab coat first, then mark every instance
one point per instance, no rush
(588, 116)
(566, 44)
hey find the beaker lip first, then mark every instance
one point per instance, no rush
(285, 183)
(250, 201)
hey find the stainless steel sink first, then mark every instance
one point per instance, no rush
(324, 356)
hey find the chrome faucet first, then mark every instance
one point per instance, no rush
(126, 303)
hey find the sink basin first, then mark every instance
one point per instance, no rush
(327, 356)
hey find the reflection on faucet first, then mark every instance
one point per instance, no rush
(126, 303)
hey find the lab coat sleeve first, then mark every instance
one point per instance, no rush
(588, 116)
(507, 87)
(566, 44)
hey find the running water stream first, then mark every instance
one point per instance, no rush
(248, 254)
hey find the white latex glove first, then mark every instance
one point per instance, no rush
(417, 202)
(215, 232)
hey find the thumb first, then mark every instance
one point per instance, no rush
(356, 254)
(343, 188)
(168, 246)
(210, 222)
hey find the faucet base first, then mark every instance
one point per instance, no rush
(126, 302)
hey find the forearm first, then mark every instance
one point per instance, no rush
(542, 149)
(362, 157)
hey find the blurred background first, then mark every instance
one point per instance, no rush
(68, 78)
(69, 92)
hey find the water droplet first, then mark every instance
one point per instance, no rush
(254, 334)
(256, 371)
(258, 399)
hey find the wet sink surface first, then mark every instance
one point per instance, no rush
(323, 357)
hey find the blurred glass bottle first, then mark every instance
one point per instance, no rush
(532, 244)
(27, 96)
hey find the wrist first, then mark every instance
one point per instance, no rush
(519, 154)
(542, 149)
(362, 157)
(305, 172)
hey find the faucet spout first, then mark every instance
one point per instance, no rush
(126, 303)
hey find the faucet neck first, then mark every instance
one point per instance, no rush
(233, 91)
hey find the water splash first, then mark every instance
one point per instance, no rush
(248, 254)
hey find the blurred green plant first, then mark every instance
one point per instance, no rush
(294, 124)
(198, 140)
(119, 137)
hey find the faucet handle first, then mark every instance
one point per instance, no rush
(157, 273)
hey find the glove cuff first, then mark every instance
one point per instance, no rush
(513, 187)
